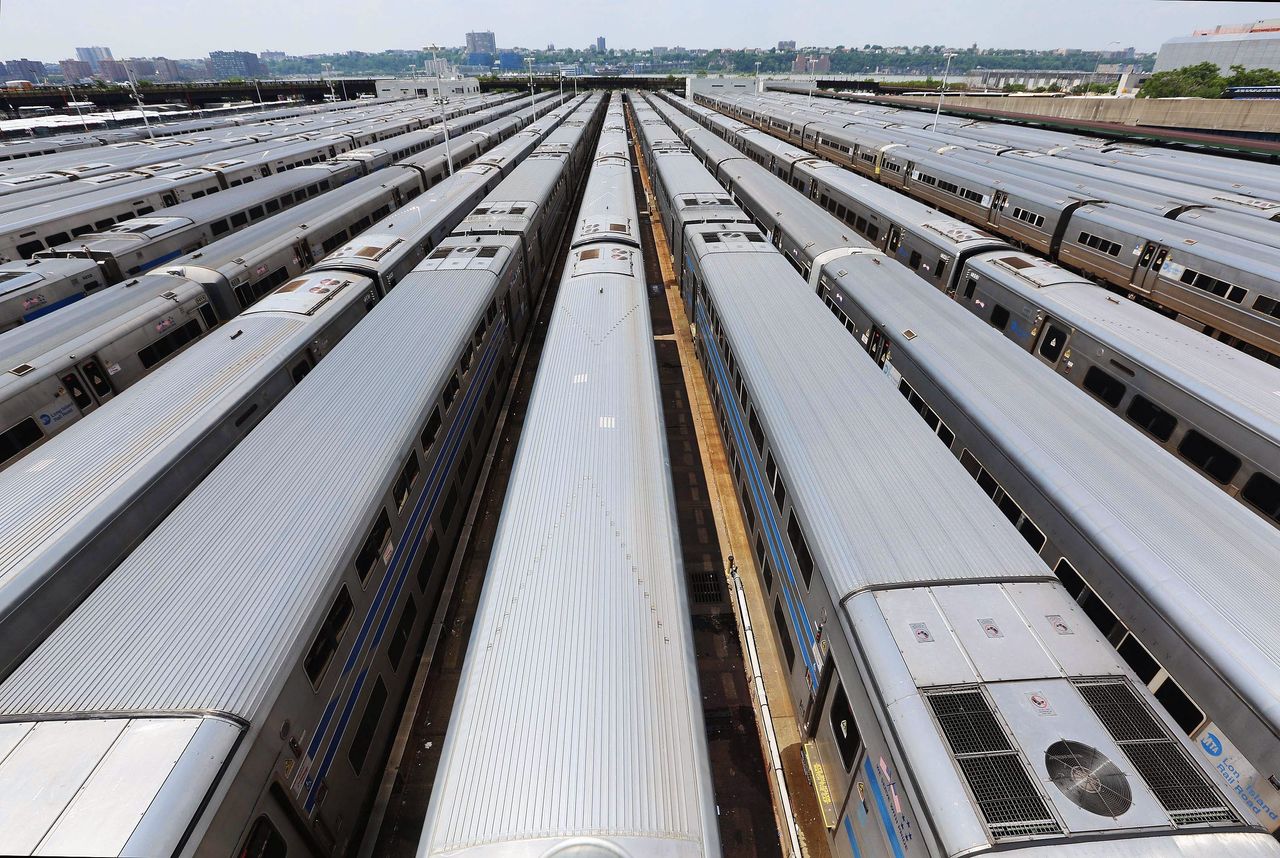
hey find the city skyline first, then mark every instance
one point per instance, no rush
(1092, 25)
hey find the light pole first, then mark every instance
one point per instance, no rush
(757, 77)
(324, 69)
(259, 92)
(937, 114)
(71, 102)
(562, 83)
(813, 78)
(444, 120)
(529, 62)
(138, 98)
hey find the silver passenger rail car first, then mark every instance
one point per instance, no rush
(533, 640)
(1200, 399)
(946, 683)
(36, 287)
(56, 366)
(287, 761)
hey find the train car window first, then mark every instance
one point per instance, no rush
(1145, 414)
(784, 633)
(219, 227)
(1137, 657)
(408, 476)
(1185, 713)
(873, 232)
(106, 223)
(62, 238)
(326, 642)
(780, 494)
(169, 343)
(450, 391)
(363, 737)
(81, 230)
(999, 317)
(845, 728)
(1261, 491)
(273, 206)
(239, 219)
(255, 212)
(450, 506)
(429, 558)
(27, 249)
(299, 372)
(801, 548)
(913, 261)
(264, 841)
(1266, 306)
(941, 268)
(747, 508)
(1209, 456)
(766, 571)
(19, 437)
(1104, 386)
(376, 544)
(1051, 345)
(759, 546)
(770, 467)
(1097, 610)
(970, 287)
(757, 433)
(404, 629)
(1070, 579)
(208, 317)
(145, 210)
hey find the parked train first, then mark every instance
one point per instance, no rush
(952, 694)
(295, 583)
(1200, 399)
(1135, 536)
(70, 363)
(615, 762)
(1229, 287)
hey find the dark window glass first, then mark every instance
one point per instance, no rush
(969, 288)
(1151, 417)
(450, 391)
(363, 738)
(17, 438)
(1104, 386)
(757, 433)
(999, 317)
(30, 248)
(780, 494)
(1261, 491)
(429, 557)
(766, 571)
(1101, 615)
(408, 476)
(1185, 713)
(373, 546)
(264, 841)
(239, 219)
(845, 728)
(169, 343)
(326, 642)
(404, 630)
(431, 429)
(784, 633)
(760, 555)
(1209, 456)
(1138, 658)
(1052, 343)
(80, 396)
(747, 509)
(450, 507)
(913, 261)
(1070, 579)
(801, 548)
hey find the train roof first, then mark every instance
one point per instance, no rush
(172, 628)
(900, 513)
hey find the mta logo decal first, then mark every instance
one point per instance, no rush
(1212, 745)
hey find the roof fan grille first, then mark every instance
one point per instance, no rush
(1088, 778)
(1010, 802)
(1179, 785)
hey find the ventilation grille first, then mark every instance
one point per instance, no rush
(707, 587)
(1176, 781)
(1005, 793)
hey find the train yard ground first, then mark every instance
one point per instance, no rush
(753, 824)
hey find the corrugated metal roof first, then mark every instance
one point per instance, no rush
(903, 512)
(209, 613)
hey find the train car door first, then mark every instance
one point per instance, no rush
(99, 381)
(1147, 271)
(1054, 337)
(998, 200)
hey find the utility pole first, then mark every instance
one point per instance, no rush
(813, 79)
(442, 101)
(937, 114)
(72, 102)
(529, 62)
(259, 92)
(138, 98)
(757, 77)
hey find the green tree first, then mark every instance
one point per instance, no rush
(1202, 80)
(1253, 77)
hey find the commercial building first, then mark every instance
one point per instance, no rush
(74, 71)
(427, 87)
(24, 69)
(786, 46)
(1254, 46)
(112, 71)
(93, 56)
(167, 71)
(600, 44)
(272, 56)
(141, 67)
(224, 65)
(482, 43)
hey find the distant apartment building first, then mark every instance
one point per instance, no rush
(786, 46)
(600, 44)
(437, 67)
(74, 71)
(93, 56)
(272, 56)
(24, 69)
(482, 43)
(224, 65)
(510, 61)
(167, 71)
(809, 64)
(112, 71)
(4, 72)
(659, 51)
(1255, 46)
(141, 67)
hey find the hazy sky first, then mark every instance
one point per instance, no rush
(51, 29)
